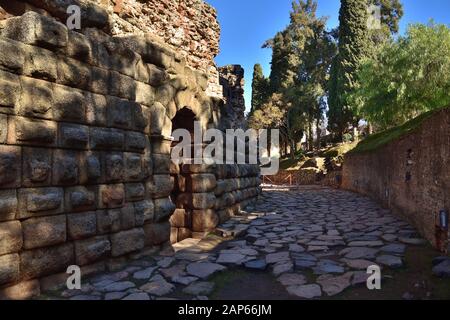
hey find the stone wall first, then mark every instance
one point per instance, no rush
(85, 170)
(410, 175)
(231, 78)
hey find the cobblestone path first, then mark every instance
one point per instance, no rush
(316, 242)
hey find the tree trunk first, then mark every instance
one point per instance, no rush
(318, 134)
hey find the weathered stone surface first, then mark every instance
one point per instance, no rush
(32, 131)
(10, 168)
(359, 264)
(36, 99)
(442, 269)
(204, 220)
(394, 248)
(277, 257)
(137, 297)
(163, 209)
(390, 261)
(196, 200)
(81, 225)
(231, 258)
(161, 186)
(134, 170)
(12, 55)
(91, 250)
(157, 233)
(111, 196)
(135, 141)
(44, 231)
(37, 164)
(73, 73)
(159, 287)
(40, 63)
(9, 268)
(44, 261)
(42, 201)
(359, 253)
(105, 138)
(144, 212)
(161, 163)
(204, 270)
(115, 167)
(92, 168)
(308, 291)
(259, 264)
(119, 113)
(108, 221)
(144, 274)
(200, 288)
(73, 136)
(118, 286)
(21, 291)
(292, 279)
(127, 241)
(134, 191)
(69, 104)
(8, 205)
(80, 199)
(334, 285)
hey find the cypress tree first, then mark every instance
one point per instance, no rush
(259, 88)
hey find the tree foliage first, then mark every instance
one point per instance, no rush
(260, 88)
(406, 77)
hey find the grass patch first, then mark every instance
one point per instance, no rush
(378, 140)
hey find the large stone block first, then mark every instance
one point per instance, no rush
(157, 233)
(11, 237)
(134, 191)
(9, 268)
(135, 141)
(73, 136)
(198, 168)
(114, 167)
(127, 241)
(141, 115)
(35, 29)
(200, 183)
(10, 91)
(181, 218)
(111, 196)
(44, 261)
(12, 55)
(10, 166)
(8, 204)
(161, 186)
(196, 200)
(145, 94)
(73, 73)
(134, 170)
(204, 220)
(163, 209)
(144, 212)
(161, 163)
(80, 199)
(40, 63)
(37, 165)
(96, 106)
(100, 79)
(160, 123)
(44, 231)
(91, 250)
(127, 217)
(161, 145)
(156, 76)
(21, 291)
(81, 225)
(79, 47)
(66, 167)
(3, 128)
(108, 221)
(36, 99)
(69, 104)
(119, 113)
(32, 132)
(91, 168)
(104, 138)
(121, 85)
(165, 94)
(40, 201)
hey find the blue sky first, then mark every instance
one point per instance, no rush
(246, 24)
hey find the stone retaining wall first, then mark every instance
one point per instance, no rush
(410, 175)
(84, 159)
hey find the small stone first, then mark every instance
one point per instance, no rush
(144, 274)
(359, 264)
(118, 286)
(328, 266)
(394, 248)
(413, 241)
(443, 269)
(390, 261)
(293, 247)
(166, 262)
(137, 297)
(204, 270)
(360, 277)
(201, 288)
(115, 295)
(359, 253)
(292, 279)
(282, 267)
(231, 258)
(184, 280)
(86, 297)
(159, 287)
(308, 291)
(277, 257)
(259, 264)
(366, 244)
(389, 237)
(334, 285)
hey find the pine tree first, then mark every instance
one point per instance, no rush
(260, 88)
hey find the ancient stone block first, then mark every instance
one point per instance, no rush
(21, 291)
(157, 233)
(91, 250)
(141, 114)
(200, 182)
(91, 171)
(73, 136)
(119, 112)
(184, 233)
(40, 63)
(160, 124)
(10, 166)
(161, 145)
(196, 200)
(127, 216)
(32, 132)
(114, 167)
(108, 221)
(73, 73)
(198, 168)
(81, 225)
(111, 196)
(44, 231)
(11, 237)
(69, 104)
(80, 199)
(135, 141)
(79, 47)
(9, 268)
(40, 201)
(127, 241)
(66, 167)
(3, 128)
(44, 261)
(181, 218)
(165, 94)
(204, 220)
(161, 163)
(161, 186)
(163, 209)
(173, 235)
(133, 167)
(145, 94)
(156, 76)
(100, 79)
(37, 164)
(144, 212)
(8, 205)
(36, 99)
(35, 29)
(134, 191)
(10, 91)
(103, 138)
(122, 86)
(96, 109)
(12, 55)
